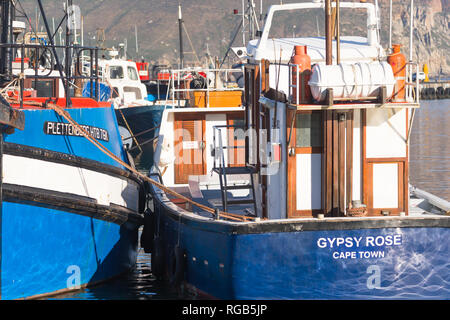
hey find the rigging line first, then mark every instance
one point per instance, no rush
(129, 129)
(190, 42)
(234, 38)
(160, 186)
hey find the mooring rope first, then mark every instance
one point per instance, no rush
(66, 115)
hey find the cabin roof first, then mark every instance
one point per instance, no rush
(353, 49)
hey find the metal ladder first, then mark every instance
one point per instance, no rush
(223, 171)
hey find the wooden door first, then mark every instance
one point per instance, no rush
(189, 146)
(385, 179)
(305, 164)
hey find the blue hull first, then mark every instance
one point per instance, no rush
(375, 259)
(52, 241)
(47, 251)
(102, 118)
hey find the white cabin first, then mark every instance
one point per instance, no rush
(122, 76)
(317, 158)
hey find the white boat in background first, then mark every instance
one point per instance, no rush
(122, 77)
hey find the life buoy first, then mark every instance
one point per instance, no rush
(157, 258)
(175, 268)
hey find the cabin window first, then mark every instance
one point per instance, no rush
(132, 90)
(44, 88)
(286, 24)
(132, 74)
(116, 72)
(309, 130)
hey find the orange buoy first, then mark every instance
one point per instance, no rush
(397, 60)
(303, 61)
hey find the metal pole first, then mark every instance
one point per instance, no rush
(338, 33)
(390, 24)
(180, 31)
(243, 24)
(5, 53)
(328, 33)
(97, 84)
(136, 36)
(411, 31)
(261, 12)
(68, 53)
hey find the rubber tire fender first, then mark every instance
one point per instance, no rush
(175, 268)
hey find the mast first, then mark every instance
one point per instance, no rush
(328, 33)
(180, 31)
(68, 51)
(338, 32)
(137, 45)
(390, 24)
(411, 30)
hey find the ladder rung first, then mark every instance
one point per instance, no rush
(234, 170)
(240, 201)
(247, 186)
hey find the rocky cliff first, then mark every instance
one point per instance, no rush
(431, 32)
(211, 24)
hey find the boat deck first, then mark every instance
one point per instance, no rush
(206, 191)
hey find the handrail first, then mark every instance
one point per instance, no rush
(176, 78)
(411, 94)
(40, 71)
(412, 87)
(221, 147)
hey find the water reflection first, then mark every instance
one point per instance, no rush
(138, 284)
(430, 148)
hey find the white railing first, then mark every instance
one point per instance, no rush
(215, 80)
(412, 87)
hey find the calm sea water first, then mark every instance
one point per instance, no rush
(429, 170)
(139, 284)
(430, 148)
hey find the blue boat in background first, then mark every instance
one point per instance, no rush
(69, 213)
(138, 112)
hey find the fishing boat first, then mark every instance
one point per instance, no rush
(304, 192)
(69, 212)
